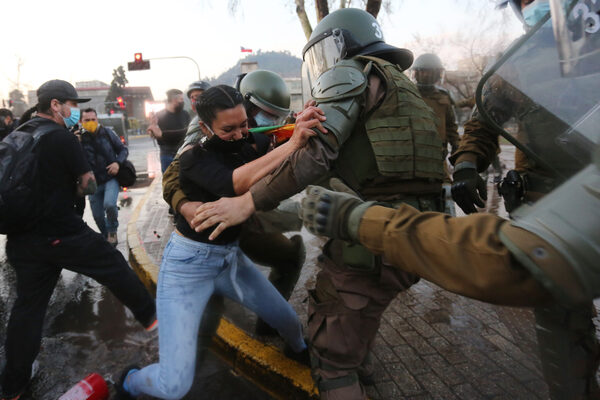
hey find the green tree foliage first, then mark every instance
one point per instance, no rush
(117, 86)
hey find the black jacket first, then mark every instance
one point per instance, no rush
(101, 149)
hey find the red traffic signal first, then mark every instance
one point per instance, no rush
(138, 63)
(120, 102)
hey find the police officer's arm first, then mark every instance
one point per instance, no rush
(463, 255)
(452, 129)
(478, 145)
(314, 161)
(477, 148)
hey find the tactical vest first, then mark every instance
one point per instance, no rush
(395, 149)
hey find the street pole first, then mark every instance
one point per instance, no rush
(186, 57)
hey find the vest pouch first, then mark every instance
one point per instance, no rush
(356, 257)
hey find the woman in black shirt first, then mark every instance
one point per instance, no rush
(194, 267)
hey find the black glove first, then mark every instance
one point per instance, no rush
(468, 189)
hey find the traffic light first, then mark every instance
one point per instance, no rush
(138, 63)
(120, 103)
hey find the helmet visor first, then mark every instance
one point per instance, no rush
(427, 76)
(550, 114)
(324, 54)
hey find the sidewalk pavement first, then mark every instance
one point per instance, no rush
(432, 344)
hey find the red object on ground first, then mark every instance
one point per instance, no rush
(93, 387)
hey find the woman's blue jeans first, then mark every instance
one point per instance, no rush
(104, 200)
(190, 273)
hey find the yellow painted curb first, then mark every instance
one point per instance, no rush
(264, 365)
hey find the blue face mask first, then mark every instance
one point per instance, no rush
(264, 119)
(534, 12)
(73, 119)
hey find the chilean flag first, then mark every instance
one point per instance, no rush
(245, 50)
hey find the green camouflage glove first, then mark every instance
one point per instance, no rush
(335, 214)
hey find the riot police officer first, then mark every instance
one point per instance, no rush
(547, 256)
(539, 166)
(383, 142)
(427, 72)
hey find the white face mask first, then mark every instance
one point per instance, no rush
(264, 119)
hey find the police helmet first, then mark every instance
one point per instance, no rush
(345, 33)
(427, 69)
(267, 91)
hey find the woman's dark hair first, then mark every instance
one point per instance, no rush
(215, 99)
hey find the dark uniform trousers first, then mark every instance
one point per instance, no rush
(38, 261)
(345, 310)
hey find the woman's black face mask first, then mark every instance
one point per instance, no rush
(226, 145)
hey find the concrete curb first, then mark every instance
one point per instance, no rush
(262, 364)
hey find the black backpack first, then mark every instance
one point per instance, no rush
(21, 203)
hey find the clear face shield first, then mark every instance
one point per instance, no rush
(307, 84)
(543, 94)
(427, 76)
(322, 55)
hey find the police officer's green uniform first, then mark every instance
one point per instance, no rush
(383, 143)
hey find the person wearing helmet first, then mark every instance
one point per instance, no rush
(528, 88)
(383, 142)
(266, 98)
(427, 72)
(267, 101)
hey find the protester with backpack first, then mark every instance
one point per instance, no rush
(43, 170)
(104, 152)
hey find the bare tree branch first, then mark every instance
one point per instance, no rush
(301, 11)
(322, 8)
(373, 7)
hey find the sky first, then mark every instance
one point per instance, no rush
(80, 40)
